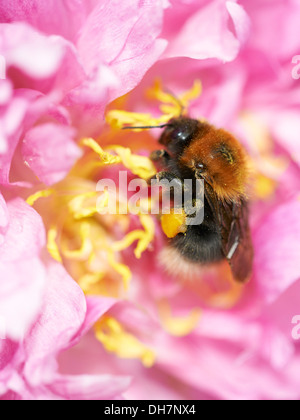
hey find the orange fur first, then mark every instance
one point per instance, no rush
(224, 162)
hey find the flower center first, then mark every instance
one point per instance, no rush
(90, 241)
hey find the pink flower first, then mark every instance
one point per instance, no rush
(88, 311)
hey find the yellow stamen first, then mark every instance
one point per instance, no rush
(116, 340)
(120, 268)
(147, 236)
(191, 94)
(77, 208)
(119, 118)
(157, 93)
(52, 244)
(171, 107)
(40, 194)
(86, 248)
(139, 165)
(178, 326)
(87, 281)
(144, 237)
(106, 158)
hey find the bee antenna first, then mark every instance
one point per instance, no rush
(145, 127)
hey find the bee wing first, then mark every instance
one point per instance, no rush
(236, 238)
(239, 244)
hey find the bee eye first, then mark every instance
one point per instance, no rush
(179, 133)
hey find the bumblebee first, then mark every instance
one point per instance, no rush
(193, 149)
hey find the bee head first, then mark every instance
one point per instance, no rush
(179, 133)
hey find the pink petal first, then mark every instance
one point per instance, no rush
(131, 71)
(3, 218)
(22, 273)
(286, 126)
(25, 236)
(11, 357)
(21, 289)
(49, 16)
(12, 118)
(89, 387)
(205, 34)
(96, 307)
(6, 91)
(282, 310)
(277, 250)
(240, 20)
(94, 45)
(224, 370)
(285, 16)
(50, 151)
(135, 44)
(61, 317)
(28, 50)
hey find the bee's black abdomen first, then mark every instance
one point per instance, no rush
(201, 243)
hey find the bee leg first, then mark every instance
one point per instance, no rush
(171, 185)
(161, 156)
(162, 176)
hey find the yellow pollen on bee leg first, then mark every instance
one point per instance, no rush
(120, 342)
(172, 223)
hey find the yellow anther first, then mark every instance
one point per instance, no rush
(120, 342)
(191, 94)
(171, 107)
(106, 158)
(139, 165)
(157, 92)
(179, 325)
